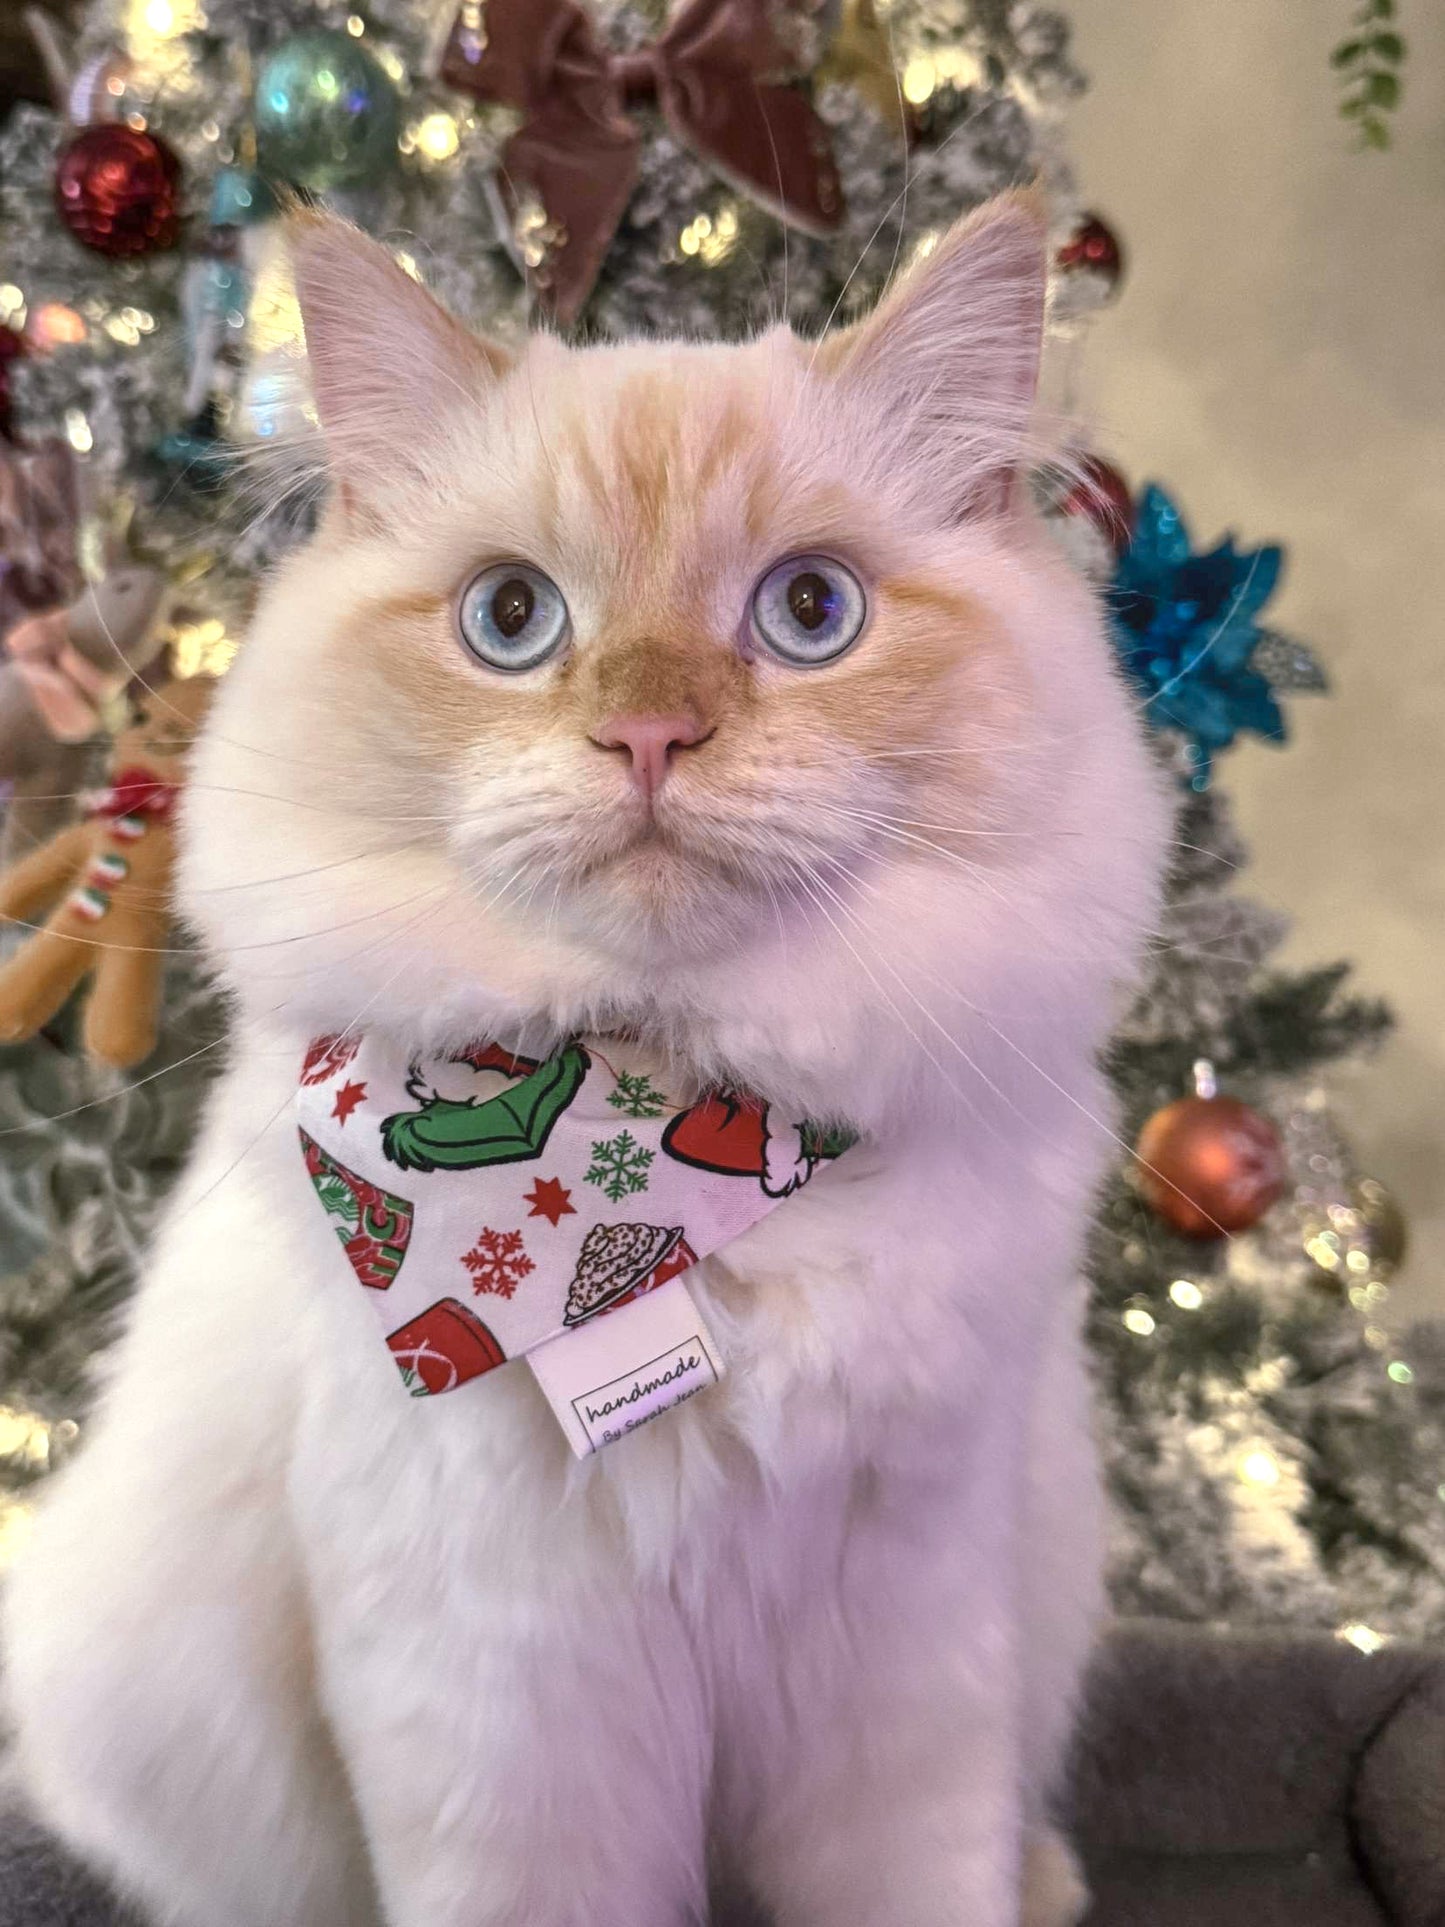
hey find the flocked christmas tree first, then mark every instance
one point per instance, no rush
(1271, 1451)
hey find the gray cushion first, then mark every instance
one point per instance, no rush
(1261, 1779)
(1221, 1780)
(40, 1886)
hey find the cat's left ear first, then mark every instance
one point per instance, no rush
(948, 363)
(389, 366)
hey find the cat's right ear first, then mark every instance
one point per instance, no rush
(389, 366)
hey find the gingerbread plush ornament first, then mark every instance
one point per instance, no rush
(65, 664)
(68, 647)
(104, 887)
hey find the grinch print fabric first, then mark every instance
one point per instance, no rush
(487, 1203)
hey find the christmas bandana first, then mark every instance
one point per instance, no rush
(489, 1203)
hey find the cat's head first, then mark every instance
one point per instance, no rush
(732, 692)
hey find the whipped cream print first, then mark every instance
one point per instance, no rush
(490, 1204)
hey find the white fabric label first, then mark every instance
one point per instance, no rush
(614, 1373)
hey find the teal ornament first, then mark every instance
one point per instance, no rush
(214, 294)
(194, 456)
(326, 114)
(216, 286)
(239, 195)
(1186, 630)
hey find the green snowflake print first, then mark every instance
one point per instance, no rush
(638, 1096)
(620, 1166)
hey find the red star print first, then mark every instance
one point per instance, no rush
(347, 1099)
(550, 1199)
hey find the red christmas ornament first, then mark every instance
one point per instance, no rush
(1092, 248)
(116, 190)
(1210, 1165)
(1102, 498)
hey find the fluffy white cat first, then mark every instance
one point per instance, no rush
(291, 1649)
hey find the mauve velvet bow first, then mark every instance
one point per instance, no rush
(567, 173)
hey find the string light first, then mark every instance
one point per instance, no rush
(24, 1435)
(1139, 1321)
(711, 238)
(28, 1438)
(1324, 1248)
(1363, 1638)
(920, 77)
(1259, 1468)
(1186, 1294)
(943, 67)
(436, 137)
(155, 36)
(77, 431)
(15, 1520)
(201, 648)
(56, 326)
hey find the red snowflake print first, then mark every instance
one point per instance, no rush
(498, 1262)
(550, 1199)
(328, 1055)
(347, 1099)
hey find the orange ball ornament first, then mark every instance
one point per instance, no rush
(1210, 1165)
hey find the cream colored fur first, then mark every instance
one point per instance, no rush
(290, 1649)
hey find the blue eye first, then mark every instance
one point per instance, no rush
(512, 616)
(809, 609)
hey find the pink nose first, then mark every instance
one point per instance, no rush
(650, 741)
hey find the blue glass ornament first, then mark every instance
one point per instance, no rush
(327, 115)
(1186, 628)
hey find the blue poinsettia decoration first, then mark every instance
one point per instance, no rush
(1186, 627)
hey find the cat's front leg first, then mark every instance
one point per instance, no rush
(548, 1782)
(520, 1708)
(902, 1817)
(157, 1651)
(885, 1788)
